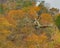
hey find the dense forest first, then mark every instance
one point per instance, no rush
(25, 25)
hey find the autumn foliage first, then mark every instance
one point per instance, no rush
(24, 25)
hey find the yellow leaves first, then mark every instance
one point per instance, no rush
(4, 25)
(32, 46)
(56, 37)
(3, 21)
(14, 15)
(10, 20)
(27, 30)
(35, 8)
(42, 37)
(5, 31)
(4, 34)
(18, 26)
(46, 16)
(10, 44)
(32, 13)
(33, 37)
(33, 3)
(12, 12)
(36, 38)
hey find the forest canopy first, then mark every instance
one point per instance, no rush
(25, 25)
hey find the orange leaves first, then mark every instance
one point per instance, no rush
(14, 15)
(42, 37)
(17, 13)
(45, 18)
(57, 45)
(3, 21)
(32, 46)
(33, 37)
(33, 3)
(56, 36)
(33, 12)
(35, 8)
(21, 31)
(25, 29)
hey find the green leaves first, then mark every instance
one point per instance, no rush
(23, 4)
(26, 4)
(1, 9)
(58, 21)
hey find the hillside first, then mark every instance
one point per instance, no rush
(24, 25)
